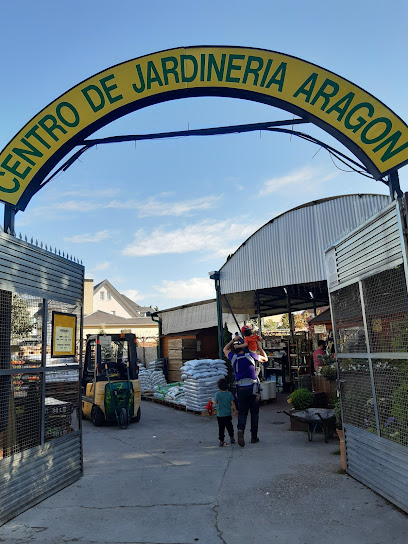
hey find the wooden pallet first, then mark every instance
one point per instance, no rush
(180, 343)
(200, 412)
(176, 406)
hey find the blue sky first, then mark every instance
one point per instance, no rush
(155, 217)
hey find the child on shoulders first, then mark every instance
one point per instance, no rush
(251, 341)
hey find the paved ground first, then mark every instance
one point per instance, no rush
(166, 480)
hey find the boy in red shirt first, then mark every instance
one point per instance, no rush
(251, 341)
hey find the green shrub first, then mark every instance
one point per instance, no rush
(301, 399)
(329, 372)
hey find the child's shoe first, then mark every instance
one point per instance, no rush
(241, 440)
(222, 444)
(232, 440)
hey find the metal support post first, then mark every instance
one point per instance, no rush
(216, 277)
(159, 321)
(394, 185)
(43, 366)
(370, 362)
(233, 315)
(292, 332)
(258, 311)
(9, 217)
(314, 303)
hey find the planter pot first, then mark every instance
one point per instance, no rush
(342, 449)
(320, 384)
(297, 425)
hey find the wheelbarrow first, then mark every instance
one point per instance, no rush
(314, 417)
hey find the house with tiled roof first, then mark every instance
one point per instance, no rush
(105, 309)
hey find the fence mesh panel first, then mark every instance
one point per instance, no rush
(61, 403)
(22, 412)
(356, 394)
(391, 387)
(62, 385)
(385, 299)
(20, 397)
(25, 413)
(348, 318)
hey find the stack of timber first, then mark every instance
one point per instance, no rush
(180, 351)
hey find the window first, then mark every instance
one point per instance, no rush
(101, 295)
(108, 295)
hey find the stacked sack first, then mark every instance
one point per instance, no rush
(150, 379)
(158, 378)
(172, 392)
(200, 381)
(145, 380)
(155, 365)
(176, 393)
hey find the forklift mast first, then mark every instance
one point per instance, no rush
(110, 349)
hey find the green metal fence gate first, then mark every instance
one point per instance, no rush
(368, 294)
(40, 421)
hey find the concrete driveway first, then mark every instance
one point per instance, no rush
(166, 480)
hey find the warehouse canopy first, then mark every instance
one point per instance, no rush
(323, 318)
(283, 263)
(194, 316)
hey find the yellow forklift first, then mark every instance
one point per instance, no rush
(110, 384)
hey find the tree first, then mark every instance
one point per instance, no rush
(285, 322)
(269, 325)
(226, 334)
(21, 322)
(300, 321)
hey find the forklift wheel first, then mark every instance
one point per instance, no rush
(97, 416)
(123, 418)
(137, 418)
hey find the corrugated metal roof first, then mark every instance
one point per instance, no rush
(290, 249)
(182, 306)
(98, 318)
(197, 315)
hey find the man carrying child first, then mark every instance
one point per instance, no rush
(247, 382)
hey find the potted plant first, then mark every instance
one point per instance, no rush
(300, 399)
(329, 373)
(339, 430)
(324, 381)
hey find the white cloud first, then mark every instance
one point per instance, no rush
(214, 237)
(100, 267)
(161, 207)
(191, 290)
(89, 193)
(87, 238)
(78, 205)
(157, 206)
(134, 294)
(304, 180)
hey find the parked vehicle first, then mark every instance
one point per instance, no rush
(110, 384)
